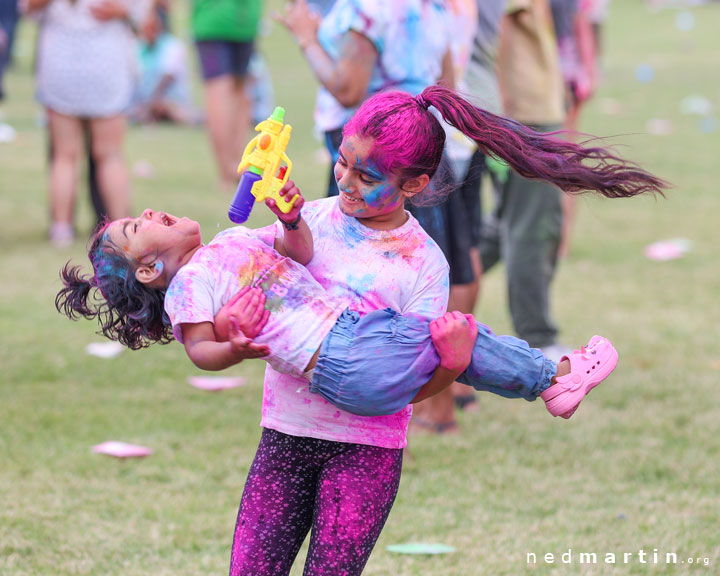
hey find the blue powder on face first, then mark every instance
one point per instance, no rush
(108, 264)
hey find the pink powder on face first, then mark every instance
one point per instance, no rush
(408, 141)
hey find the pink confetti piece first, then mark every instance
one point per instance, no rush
(122, 450)
(611, 107)
(216, 383)
(660, 127)
(144, 170)
(668, 249)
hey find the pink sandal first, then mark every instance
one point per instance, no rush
(588, 367)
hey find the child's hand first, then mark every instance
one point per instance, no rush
(288, 192)
(243, 346)
(247, 308)
(453, 336)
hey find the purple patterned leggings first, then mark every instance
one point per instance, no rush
(343, 491)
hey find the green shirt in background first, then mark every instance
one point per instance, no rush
(234, 20)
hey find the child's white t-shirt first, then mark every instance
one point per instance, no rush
(301, 313)
(402, 269)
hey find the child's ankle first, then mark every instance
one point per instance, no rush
(563, 368)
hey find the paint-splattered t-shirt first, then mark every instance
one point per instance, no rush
(301, 312)
(402, 269)
(410, 36)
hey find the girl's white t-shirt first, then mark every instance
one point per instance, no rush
(402, 269)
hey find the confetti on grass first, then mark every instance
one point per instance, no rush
(144, 170)
(421, 548)
(611, 107)
(685, 21)
(707, 125)
(122, 450)
(104, 349)
(694, 104)
(7, 133)
(660, 127)
(668, 249)
(215, 383)
(644, 73)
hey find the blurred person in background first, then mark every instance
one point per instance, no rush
(163, 87)
(85, 76)
(9, 17)
(578, 62)
(8, 22)
(259, 89)
(526, 225)
(360, 48)
(597, 12)
(224, 33)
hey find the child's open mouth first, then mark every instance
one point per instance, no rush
(167, 220)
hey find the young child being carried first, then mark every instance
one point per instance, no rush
(155, 267)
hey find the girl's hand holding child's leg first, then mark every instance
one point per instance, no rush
(453, 336)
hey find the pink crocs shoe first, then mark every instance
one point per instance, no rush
(588, 367)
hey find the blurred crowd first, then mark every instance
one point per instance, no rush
(101, 64)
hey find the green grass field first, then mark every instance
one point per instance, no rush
(637, 468)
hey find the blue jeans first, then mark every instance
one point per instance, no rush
(375, 364)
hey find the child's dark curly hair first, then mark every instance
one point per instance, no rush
(127, 310)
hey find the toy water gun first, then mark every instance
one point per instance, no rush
(262, 176)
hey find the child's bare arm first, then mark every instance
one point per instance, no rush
(209, 354)
(297, 243)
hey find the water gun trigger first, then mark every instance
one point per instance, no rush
(278, 182)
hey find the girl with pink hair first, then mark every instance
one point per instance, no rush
(322, 469)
